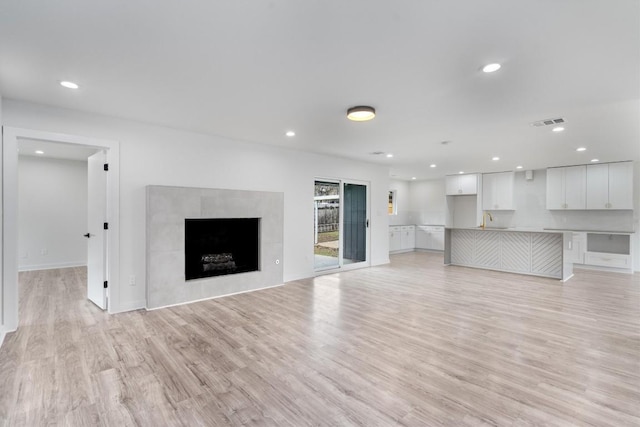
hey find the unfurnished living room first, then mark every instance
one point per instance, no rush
(323, 213)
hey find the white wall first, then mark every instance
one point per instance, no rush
(154, 155)
(427, 202)
(52, 213)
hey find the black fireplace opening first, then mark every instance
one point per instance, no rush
(220, 246)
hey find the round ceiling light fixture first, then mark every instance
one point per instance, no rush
(361, 113)
(69, 85)
(490, 68)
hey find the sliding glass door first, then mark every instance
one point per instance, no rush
(341, 225)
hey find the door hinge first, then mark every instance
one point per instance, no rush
(106, 225)
(106, 166)
(106, 284)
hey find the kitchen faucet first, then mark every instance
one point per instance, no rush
(484, 214)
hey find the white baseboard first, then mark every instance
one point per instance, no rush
(52, 266)
(128, 306)
(2, 334)
(215, 297)
(602, 268)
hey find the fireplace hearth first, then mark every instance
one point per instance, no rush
(221, 246)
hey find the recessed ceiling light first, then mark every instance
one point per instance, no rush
(461, 172)
(495, 158)
(433, 165)
(595, 160)
(581, 149)
(69, 85)
(518, 167)
(490, 68)
(389, 155)
(290, 133)
(39, 152)
(361, 113)
(558, 129)
(413, 177)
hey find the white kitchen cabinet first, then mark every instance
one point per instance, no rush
(422, 237)
(578, 248)
(566, 188)
(497, 191)
(610, 186)
(402, 238)
(459, 185)
(609, 250)
(408, 238)
(430, 237)
(395, 238)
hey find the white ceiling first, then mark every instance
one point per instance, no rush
(54, 150)
(252, 70)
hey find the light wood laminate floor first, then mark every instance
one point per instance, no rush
(412, 343)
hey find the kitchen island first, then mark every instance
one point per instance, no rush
(517, 250)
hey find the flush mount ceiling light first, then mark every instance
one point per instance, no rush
(290, 133)
(413, 177)
(581, 149)
(389, 155)
(558, 129)
(490, 68)
(461, 172)
(518, 167)
(361, 113)
(69, 85)
(495, 158)
(433, 165)
(39, 152)
(595, 160)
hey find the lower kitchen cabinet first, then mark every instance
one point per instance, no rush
(430, 237)
(402, 238)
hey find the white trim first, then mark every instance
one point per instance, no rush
(9, 320)
(215, 297)
(130, 306)
(54, 266)
(2, 335)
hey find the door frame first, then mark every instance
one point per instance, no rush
(367, 262)
(9, 247)
(341, 265)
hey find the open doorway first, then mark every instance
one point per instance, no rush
(105, 155)
(341, 224)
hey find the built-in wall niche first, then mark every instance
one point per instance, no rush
(220, 246)
(609, 243)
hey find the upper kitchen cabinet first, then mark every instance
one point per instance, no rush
(610, 186)
(497, 191)
(567, 187)
(460, 185)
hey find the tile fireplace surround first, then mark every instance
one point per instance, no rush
(167, 208)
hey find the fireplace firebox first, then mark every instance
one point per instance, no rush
(220, 246)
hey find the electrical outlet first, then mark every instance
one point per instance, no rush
(25, 255)
(132, 280)
(44, 251)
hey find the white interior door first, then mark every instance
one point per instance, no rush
(96, 234)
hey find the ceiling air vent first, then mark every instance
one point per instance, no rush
(548, 122)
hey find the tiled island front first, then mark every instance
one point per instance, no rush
(533, 252)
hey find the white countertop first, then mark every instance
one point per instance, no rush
(541, 230)
(516, 229)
